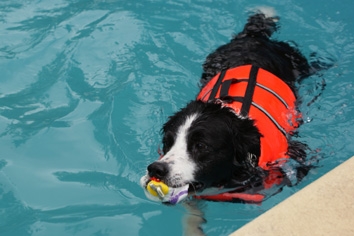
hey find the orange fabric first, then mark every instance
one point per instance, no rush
(274, 143)
(229, 197)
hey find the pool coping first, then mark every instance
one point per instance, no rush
(324, 207)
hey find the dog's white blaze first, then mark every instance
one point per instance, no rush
(183, 168)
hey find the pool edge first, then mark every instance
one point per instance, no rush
(324, 207)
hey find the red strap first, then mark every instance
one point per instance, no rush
(229, 197)
(275, 177)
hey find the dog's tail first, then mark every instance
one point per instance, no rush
(262, 23)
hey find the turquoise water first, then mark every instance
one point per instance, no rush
(86, 86)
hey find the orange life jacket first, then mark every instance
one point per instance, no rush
(260, 95)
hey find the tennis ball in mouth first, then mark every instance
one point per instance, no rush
(157, 189)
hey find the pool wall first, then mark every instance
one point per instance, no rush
(325, 207)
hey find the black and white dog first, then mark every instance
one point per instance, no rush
(233, 141)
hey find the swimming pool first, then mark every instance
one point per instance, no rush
(86, 86)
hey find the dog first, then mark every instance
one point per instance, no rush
(234, 141)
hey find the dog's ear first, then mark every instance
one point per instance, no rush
(246, 141)
(246, 145)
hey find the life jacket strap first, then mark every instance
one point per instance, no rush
(247, 101)
(233, 197)
(216, 86)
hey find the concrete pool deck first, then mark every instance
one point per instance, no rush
(325, 207)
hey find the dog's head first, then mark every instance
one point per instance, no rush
(205, 147)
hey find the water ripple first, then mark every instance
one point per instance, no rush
(86, 86)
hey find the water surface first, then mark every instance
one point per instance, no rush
(87, 85)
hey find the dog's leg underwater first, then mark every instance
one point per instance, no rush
(194, 219)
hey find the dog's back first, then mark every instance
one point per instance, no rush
(254, 46)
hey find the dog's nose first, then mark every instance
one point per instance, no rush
(158, 169)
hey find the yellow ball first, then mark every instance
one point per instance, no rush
(157, 189)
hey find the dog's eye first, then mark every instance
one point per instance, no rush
(201, 146)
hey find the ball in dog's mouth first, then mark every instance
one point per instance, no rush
(157, 190)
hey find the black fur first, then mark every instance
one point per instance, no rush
(253, 46)
(218, 140)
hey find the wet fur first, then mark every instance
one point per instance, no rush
(217, 141)
(212, 140)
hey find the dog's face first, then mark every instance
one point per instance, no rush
(204, 146)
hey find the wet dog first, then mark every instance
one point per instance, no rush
(233, 141)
